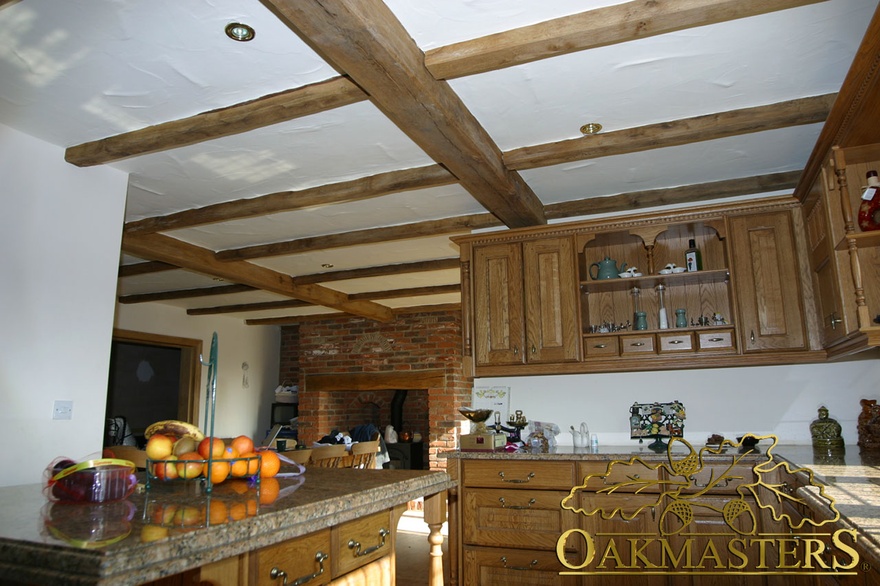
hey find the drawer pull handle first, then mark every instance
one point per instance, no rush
(600, 346)
(676, 341)
(708, 484)
(637, 344)
(504, 505)
(355, 545)
(516, 481)
(605, 480)
(716, 339)
(526, 568)
(275, 573)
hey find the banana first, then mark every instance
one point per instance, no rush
(175, 428)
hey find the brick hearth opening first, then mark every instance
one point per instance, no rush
(345, 364)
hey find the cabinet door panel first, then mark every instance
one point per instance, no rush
(506, 567)
(298, 558)
(768, 286)
(498, 304)
(551, 300)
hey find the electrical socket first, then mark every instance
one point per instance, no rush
(62, 410)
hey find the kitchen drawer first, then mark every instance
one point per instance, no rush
(526, 474)
(488, 566)
(361, 541)
(297, 558)
(525, 519)
(678, 342)
(636, 344)
(716, 341)
(601, 347)
(626, 477)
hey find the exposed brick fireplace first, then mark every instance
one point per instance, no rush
(348, 370)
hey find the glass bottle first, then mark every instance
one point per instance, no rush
(637, 305)
(869, 209)
(693, 260)
(641, 321)
(681, 320)
(662, 319)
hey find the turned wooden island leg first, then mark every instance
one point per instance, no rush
(435, 515)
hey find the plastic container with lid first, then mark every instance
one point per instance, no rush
(99, 480)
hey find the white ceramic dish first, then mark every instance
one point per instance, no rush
(624, 275)
(679, 269)
(665, 271)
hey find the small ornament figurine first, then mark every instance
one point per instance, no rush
(869, 425)
(826, 432)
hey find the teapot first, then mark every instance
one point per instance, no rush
(606, 269)
(581, 438)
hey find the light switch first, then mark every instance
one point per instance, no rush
(62, 410)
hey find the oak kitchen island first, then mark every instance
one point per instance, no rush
(336, 523)
(693, 521)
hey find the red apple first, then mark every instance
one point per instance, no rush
(165, 470)
(189, 465)
(211, 447)
(159, 447)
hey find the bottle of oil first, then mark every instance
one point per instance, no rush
(692, 257)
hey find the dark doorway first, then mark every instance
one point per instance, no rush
(151, 378)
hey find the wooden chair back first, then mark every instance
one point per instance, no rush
(363, 454)
(327, 456)
(299, 456)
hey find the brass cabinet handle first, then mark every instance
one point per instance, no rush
(504, 505)
(834, 320)
(637, 344)
(529, 567)
(355, 545)
(605, 480)
(515, 481)
(515, 350)
(752, 337)
(534, 350)
(716, 339)
(676, 341)
(275, 573)
(600, 346)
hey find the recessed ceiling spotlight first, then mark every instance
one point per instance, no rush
(591, 128)
(240, 32)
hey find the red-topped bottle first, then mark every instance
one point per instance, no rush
(869, 209)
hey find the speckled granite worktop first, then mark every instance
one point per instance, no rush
(140, 539)
(851, 479)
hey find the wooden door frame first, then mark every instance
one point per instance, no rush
(190, 367)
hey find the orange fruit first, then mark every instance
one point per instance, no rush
(253, 464)
(251, 507)
(211, 447)
(269, 489)
(271, 464)
(243, 444)
(239, 486)
(219, 471)
(230, 452)
(238, 468)
(237, 511)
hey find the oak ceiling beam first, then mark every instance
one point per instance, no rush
(454, 225)
(674, 133)
(422, 266)
(674, 195)
(286, 201)
(243, 117)
(201, 260)
(370, 295)
(295, 319)
(588, 30)
(185, 293)
(144, 268)
(366, 41)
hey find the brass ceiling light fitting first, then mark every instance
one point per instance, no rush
(240, 32)
(591, 128)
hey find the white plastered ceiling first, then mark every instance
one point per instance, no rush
(79, 71)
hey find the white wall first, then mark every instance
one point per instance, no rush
(239, 409)
(60, 230)
(782, 400)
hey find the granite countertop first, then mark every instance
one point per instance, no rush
(852, 479)
(174, 526)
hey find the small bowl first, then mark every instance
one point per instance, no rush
(624, 275)
(748, 442)
(679, 269)
(665, 271)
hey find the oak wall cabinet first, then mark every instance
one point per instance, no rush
(532, 305)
